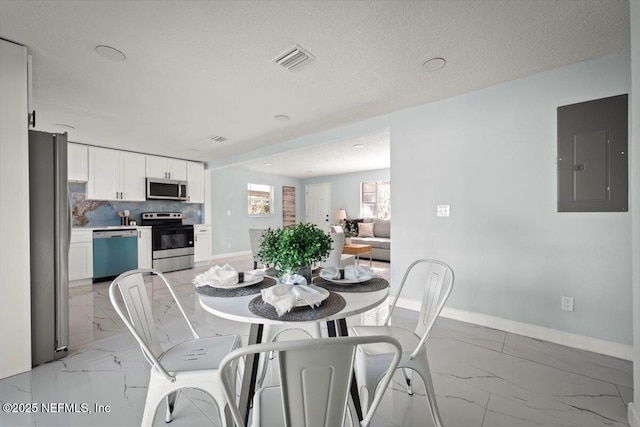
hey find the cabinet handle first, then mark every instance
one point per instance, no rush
(196, 238)
(139, 234)
(169, 175)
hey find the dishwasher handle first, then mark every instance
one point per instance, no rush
(114, 233)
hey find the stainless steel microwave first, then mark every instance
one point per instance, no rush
(166, 189)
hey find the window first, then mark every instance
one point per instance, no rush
(260, 199)
(375, 200)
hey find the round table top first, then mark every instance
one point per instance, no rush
(237, 308)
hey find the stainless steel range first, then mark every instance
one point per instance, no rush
(172, 241)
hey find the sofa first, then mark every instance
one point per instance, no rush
(380, 241)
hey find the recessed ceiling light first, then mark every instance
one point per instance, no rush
(282, 118)
(434, 64)
(309, 171)
(358, 145)
(268, 164)
(110, 53)
(62, 125)
(218, 138)
(192, 149)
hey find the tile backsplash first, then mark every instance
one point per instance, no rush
(103, 213)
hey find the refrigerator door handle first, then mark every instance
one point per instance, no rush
(62, 250)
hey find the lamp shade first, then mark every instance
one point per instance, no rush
(340, 214)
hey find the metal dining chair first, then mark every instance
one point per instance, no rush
(315, 379)
(438, 282)
(191, 364)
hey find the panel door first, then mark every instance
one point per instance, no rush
(80, 261)
(132, 178)
(104, 174)
(177, 169)
(202, 247)
(144, 248)
(156, 167)
(195, 182)
(77, 162)
(318, 205)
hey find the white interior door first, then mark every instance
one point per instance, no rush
(318, 205)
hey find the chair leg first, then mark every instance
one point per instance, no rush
(171, 402)
(431, 397)
(407, 377)
(154, 397)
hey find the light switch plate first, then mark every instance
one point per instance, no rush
(444, 210)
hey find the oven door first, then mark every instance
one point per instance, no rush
(176, 239)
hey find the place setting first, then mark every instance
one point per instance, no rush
(225, 281)
(352, 278)
(295, 300)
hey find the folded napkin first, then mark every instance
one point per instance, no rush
(225, 276)
(350, 272)
(285, 296)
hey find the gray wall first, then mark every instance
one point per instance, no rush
(345, 189)
(229, 193)
(634, 143)
(490, 154)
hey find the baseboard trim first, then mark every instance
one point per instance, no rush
(632, 415)
(608, 348)
(231, 255)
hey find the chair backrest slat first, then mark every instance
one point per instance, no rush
(336, 251)
(136, 301)
(437, 283)
(315, 378)
(315, 390)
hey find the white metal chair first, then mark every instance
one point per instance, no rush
(438, 281)
(191, 364)
(315, 377)
(254, 238)
(336, 258)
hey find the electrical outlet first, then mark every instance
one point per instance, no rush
(443, 210)
(567, 303)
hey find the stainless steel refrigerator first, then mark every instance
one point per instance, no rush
(50, 221)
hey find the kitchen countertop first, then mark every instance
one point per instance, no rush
(112, 227)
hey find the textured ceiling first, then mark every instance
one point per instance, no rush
(196, 69)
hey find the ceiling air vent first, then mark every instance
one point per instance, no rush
(218, 138)
(293, 57)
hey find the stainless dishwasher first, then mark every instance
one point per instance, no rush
(114, 252)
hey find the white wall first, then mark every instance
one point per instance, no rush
(490, 154)
(345, 189)
(15, 284)
(634, 420)
(230, 233)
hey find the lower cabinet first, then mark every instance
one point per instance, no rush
(144, 248)
(202, 243)
(80, 257)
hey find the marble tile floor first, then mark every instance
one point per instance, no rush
(482, 377)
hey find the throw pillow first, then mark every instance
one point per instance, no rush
(365, 229)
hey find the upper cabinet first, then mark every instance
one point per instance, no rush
(195, 182)
(77, 162)
(166, 168)
(115, 175)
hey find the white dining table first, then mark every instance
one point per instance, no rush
(237, 309)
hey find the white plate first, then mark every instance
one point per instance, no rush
(258, 279)
(323, 291)
(347, 281)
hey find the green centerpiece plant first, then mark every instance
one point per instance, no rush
(294, 250)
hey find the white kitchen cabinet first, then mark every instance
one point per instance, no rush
(202, 243)
(166, 168)
(80, 257)
(144, 248)
(195, 182)
(116, 175)
(77, 162)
